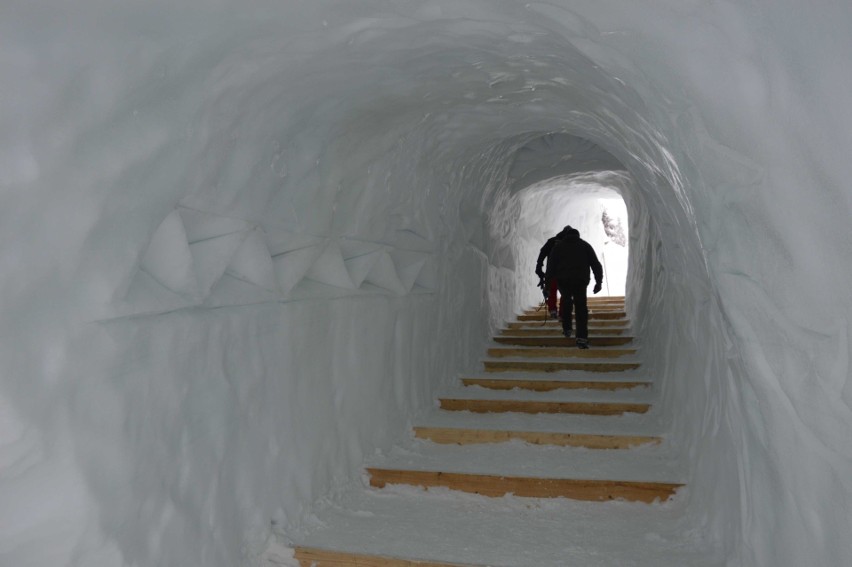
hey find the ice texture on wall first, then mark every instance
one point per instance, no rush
(243, 243)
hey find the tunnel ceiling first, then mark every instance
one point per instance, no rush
(559, 155)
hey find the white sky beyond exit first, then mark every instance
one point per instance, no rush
(579, 201)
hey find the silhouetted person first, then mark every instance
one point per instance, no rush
(569, 263)
(550, 286)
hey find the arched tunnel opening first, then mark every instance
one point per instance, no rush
(244, 247)
(560, 181)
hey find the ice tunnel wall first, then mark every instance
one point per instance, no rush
(244, 244)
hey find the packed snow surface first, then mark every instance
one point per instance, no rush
(245, 244)
(509, 531)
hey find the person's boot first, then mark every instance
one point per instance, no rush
(566, 332)
(553, 314)
(583, 343)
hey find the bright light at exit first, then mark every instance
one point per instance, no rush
(591, 205)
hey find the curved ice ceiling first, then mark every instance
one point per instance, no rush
(558, 155)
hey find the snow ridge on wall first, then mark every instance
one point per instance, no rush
(197, 258)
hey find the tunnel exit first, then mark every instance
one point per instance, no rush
(589, 202)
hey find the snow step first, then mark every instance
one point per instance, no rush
(541, 406)
(552, 323)
(313, 557)
(557, 332)
(461, 436)
(550, 385)
(559, 341)
(556, 366)
(559, 352)
(466, 529)
(608, 315)
(532, 487)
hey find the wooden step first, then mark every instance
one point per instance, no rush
(591, 304)
(459, 436)
(560, 341)
(551, 366)
(532, 487)
(592, 316)
(559, 352)
(556, 324)
(592, 309)
(557, 332)
(541, 406)
(551, 385)
(589, 301)
(313, 557)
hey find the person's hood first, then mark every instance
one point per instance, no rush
(564, 232)
(572, 235)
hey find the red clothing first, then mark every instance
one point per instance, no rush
(551, 295)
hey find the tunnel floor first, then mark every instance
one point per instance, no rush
(548, 457)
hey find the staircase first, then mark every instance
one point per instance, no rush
(545, 420)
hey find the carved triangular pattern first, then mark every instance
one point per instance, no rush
(167, 258)
(408, 265)
(198, 257)
(330, 269)
(383, 274)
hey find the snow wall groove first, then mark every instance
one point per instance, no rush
(196, 148)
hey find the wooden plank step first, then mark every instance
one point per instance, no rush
(559, 352)
(551, 366)
(551, 385)
(541, 406)
(592, 316)
(557, 332)
(599, 306)
(313, 557)
(459, 436)
(556, 324)
(589, 301)
(532, 487)
(560, 341)
(592, 309)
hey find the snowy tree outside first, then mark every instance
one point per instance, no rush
(613, 227)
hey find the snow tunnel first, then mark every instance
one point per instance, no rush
(244, 245)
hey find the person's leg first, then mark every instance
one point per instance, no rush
(565, 307)
(551, 296)
(581, 309)
(567, 311)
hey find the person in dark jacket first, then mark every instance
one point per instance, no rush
(539, 271)
(569, 263)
